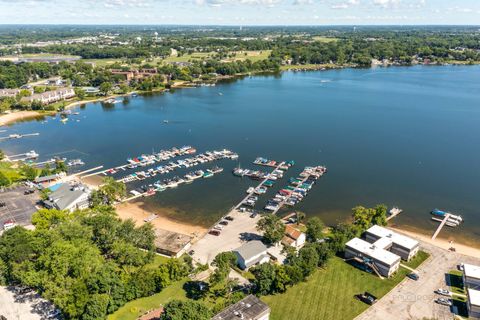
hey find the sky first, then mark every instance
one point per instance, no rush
(241, 12)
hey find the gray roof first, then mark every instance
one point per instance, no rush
(169, 242)
(47, 178)
(249, 308)
(251, 249)
(64, 196)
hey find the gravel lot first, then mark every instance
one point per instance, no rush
(414, 299)
(19, 207)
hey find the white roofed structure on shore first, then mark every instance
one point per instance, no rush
(397, 243)
(471, 276)
(473, 304)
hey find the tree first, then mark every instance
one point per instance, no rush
(29, 172)
(185, 310)
(380, 215)
(47, 218)
(315, 228)
(105, 87)
(300, 216)
(2, 155)
(4, 180)
(96, 307)
(60, 166)
(80, 93)
(272, 227)
(112, 190)
(223, 262)
(264, 278)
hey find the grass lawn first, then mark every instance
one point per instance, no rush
(456, 281)
(251, 55)
(12, 173)
(329, 293)
(324, 39)
(188, 57)
(102, 62)
(133, 309)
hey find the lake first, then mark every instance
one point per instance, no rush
(405, 136)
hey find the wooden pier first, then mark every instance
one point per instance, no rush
(281, 204)
(441, 226)
(261, 183)
(18, 136)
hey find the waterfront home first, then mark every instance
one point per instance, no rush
(471, 276)
(251, 253)
(9, 93)
(249, 308)
(380, 260)
(172, 244)
(69, 197)
(293, 237)
(47, 180)
(394, 242)
(48, 97)
(91, 90)
(129, 75)
(473, 304)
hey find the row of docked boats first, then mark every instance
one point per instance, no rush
(272, 163)
(150, 159)
(453, 220)
(162, 185)
(181, 163)
(297, 189)
(75, 162)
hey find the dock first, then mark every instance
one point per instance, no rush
(19, 136)
(442, 224)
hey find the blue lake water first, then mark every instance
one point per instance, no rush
(401, 136)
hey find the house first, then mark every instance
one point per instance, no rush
(9, 93)
(249, 308)
(46, 180)
(69, 197)
(382, 261)
(48, 97)
(394, 242)
(172, 244)
(251, 253)
(471, 276)
(91, 90)
(473, 304)
(129, 75)
(293, 237)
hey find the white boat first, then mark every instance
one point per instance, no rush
(395, 210)
(250, 190)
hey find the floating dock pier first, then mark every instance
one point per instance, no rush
(442, 224)
(18, 136)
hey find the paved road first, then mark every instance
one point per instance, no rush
(26, 306)
(414, 299)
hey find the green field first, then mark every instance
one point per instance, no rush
(324, 39)
(329, 293)
(133, 309)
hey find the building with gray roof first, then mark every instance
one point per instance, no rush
(68, 197)
(249, 308)
(251, 253)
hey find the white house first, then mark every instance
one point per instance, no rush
(293, 237)
(68, 197)
(48, 97)
(473, 305)
(471, 276)
(251, 253)
(394, 242)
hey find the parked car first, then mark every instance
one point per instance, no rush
(229, 218)
(413, 276)
(191, 252)
(29, 191)
(460, 267)
(223, 222)
(9, 224)
(3, 204)
(253, 215)
(443, 301)
(367, 298)
(443, 292)
(214, 232)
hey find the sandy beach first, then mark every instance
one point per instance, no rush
(135, 212)
(442, 243)
(16, 116)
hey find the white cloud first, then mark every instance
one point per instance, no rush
(345, 5)
(386, 3)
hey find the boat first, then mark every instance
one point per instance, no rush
(75, 162)
(207, 174)
(250, 190)
(239, 172)
(449, 222)
(64, 120)
(442, 214)
(216, 169)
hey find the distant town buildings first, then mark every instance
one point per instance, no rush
(249, 308)
(130, 75)
(251, 253)
(48, 97)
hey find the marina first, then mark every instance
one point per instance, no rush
(19, 136)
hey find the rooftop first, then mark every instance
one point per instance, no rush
(396, 238)
(292, 232)
(66, 194)
(169, 241)
(372, 251)
(471, 271)
(248, 308)
(251, 249)
(474, 297)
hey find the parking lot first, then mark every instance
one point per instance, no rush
(415, 299)
(19, 207)
(232, 236)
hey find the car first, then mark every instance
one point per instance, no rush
(413, 276)
(443, 301)
(223, 222)
(3, 204)
(460, 266)
(191, 252)
(229, 218)
(367, 298)
(253, 215)
(9, 224)
(443, 292)
(214, 232)
(29, 191)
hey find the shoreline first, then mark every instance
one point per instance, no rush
(15, 116)
(134, 211)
